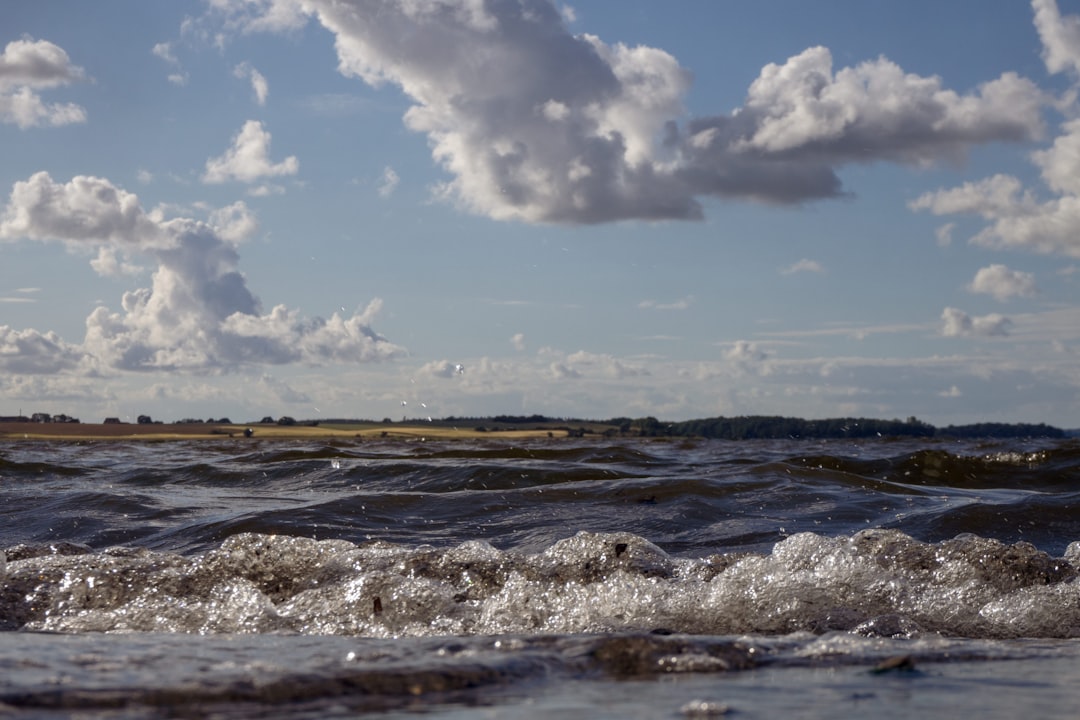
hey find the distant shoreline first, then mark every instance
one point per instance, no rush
(214, 431)
(533, 426)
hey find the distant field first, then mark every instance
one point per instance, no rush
(189, 431)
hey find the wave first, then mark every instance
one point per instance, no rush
(874, 583)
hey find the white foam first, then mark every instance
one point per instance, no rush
(877, 583)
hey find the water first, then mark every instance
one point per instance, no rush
(550, 578)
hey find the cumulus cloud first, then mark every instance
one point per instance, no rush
(1003, 283)
(111, 263)
(248, 160)
(1060, 37)
(1016, 217)
(26, 66)
(36, 63)
(957, 323)
(604, 365)
(441, 369)
(86, 210)
(746, 356)
(31, 352)
(518, 341)
(259, 86)
(565, 128)
(198, 314)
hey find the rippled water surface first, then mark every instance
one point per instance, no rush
(221, 578)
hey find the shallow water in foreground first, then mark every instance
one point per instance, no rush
(565, 578)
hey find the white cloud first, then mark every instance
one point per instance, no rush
(681, 304)
(1060, 37)
(561, 371)
(803, 265)
(745, 356)
(1061, 162)
(876, 109)
(603, 364)
(198, 314)
(30, 352)
(1003, 283)
(36, 64)
(26, 66)
(518, 341)
(23, 295)
(441, 369)
(1015, 217)
(389, 182)
(164, 50)
(1036, 385)
(259, 86)
(26, 109)
(86, 210)
(957, 323)
(565, 128)
(266, 190)
(234, 223)
(248, 159)
(110, 262)
(257, 15)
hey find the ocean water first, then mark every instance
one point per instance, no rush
(616, 578)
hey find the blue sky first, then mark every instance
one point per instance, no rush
(321, 209)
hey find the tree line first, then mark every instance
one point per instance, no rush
(753, 427)
(766, 427)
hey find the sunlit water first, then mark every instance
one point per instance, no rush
(569, 578)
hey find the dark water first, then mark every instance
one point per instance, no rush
(224, 579)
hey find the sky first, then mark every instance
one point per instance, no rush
(431, 208)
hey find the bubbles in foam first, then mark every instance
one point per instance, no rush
(875, 583)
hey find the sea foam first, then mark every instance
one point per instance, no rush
(875, 582)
